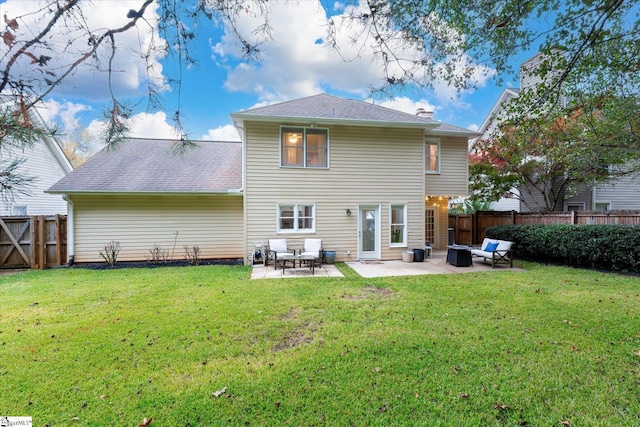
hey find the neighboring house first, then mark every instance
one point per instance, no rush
(488, 127)
(624, 194)
(369, 181)
(46, 162)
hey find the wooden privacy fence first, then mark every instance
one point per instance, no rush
(33, 241)
(470, 229)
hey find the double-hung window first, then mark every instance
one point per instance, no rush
(432, 155)
(304, 147)
(398, 225)
(296, 218)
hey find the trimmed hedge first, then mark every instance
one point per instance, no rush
(605, 247)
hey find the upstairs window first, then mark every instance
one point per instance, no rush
(304, 147)
(432, 155)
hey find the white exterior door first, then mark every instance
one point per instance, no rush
(369, 232)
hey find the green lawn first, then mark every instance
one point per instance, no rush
(548, 346)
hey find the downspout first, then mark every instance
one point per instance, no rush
(243, 138)
(241, 190)
(70, 230)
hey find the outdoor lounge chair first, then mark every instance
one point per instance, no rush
(276, 250)
(313, 247)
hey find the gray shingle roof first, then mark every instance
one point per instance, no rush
(331, 109)
(150, 165)
(449, 129)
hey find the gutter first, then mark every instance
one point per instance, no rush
(146, 193)
(319, 121)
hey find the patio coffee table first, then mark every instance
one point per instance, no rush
(310, 260)
(459, 256)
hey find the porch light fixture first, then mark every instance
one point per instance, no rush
(348, 212)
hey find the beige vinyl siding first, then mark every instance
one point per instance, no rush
(213, 223)
(453, 179)
(42, 164)
(367, 166)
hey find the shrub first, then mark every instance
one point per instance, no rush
(157, 255)
(192, 255)
(609, 247)
(110, 253)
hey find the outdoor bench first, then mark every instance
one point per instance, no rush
(497, 251)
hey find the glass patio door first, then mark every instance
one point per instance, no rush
(369, 232)
(431, 226)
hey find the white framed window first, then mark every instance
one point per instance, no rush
(304, 147)
(296, 218)
(603, 206)
(398, 225)
(432, 155)
(19, 210)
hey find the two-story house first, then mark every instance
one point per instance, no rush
(368, 180)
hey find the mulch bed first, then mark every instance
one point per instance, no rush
(147, 264)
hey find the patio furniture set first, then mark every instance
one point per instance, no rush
(280, 254)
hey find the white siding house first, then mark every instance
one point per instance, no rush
(367, 180)
(48, 164)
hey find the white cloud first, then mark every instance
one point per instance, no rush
(146, 125)
(65, 44)
(62, 113)
(222, 133)
(408, 105)
(142, 125)
(296, 62)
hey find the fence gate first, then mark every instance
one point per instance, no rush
(33, 242)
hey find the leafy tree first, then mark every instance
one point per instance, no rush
(418, 42)
(578, 124)
(452, 41)
(559, 151)
(76, 151)
(469, 206)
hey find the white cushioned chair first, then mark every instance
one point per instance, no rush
(313, 247)
(276, 250)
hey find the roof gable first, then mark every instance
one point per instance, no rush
(489, 122)
(49, 141)
(150, 166)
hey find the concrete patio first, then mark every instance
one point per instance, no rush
(261, 272)
(435, 264)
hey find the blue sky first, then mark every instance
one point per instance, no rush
(294, 64)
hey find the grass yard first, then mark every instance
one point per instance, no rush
(204, 346)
